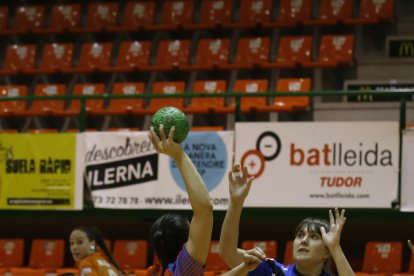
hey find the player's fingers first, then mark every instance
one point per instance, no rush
(171, 134)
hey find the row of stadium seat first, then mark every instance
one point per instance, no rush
(181, 14)
(211, 54)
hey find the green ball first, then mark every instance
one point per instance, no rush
(170, 116)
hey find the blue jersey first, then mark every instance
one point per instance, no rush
(264, 269)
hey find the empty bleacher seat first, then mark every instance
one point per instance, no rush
(213, 14)
(4, 19)
(90, 105)
(171, 54)
(291, 13)
(100, 17)
(137, 15)
(47, 107)
(252, 104)
(373, 12)
(288, 253)
(332, 13)
(214, 262)
(63, 17)
(12, 107)
(131, 254)
(292, 103)
(175, 14)
(28, 18)
(252, 13)
(93, 57)
(11, 253)
(19, 57)
(167, 88)
(55, 58)
(132, 56)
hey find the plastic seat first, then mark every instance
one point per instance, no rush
(131, 254)
(292, 103)
(137, 15)
(213, 14)
(132, 55)
(100, 17)
(18, 58)
(253, 13)
(93, 57)
(291, 13)
(4, 19)
(15, 107)
(171, 54)
(214, 262)
(292, 52)
(55, 58)
(28, 18)
(373, 12)
(211, 53)
(332, 13)
(335, 50)
(288, 255)
(63, 18)
(251, 52)
(166, 88)
(91, 105)
(268, 246)
(252, 104)
(207, 105)
(11, 253)
(47, 107)
(175, 14)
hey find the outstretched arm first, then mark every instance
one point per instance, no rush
(239, 187)
(332, 240)
(201, 226)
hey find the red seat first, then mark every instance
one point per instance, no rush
(11, 253)
(292, 52)
(171, 54)
(211, 53)
(268, 246)
(207, 105)
(334, 50)
(292, 103)
(137, 15)
(251, 52)
(15, 107)
(4, 19)
(55, 58)
(291, 13)
(166, 88)
(373, 12)
(175, 14)
(18, 58)
(47, 107)
(132, 55)
(252, 13)
(28, 18)
(213, 14)
(101, 16)
(93, 57)
(252, 104)
(288, 255)
(131, 254)
(91, 105)
(332, 13)
(214, 262)
(63, 18)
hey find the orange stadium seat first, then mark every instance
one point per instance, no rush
(332, 13)
(55, 58)
(11, 253)
(131, 254)
(93, 57)
(292, 103)
(100, 17)
(208, 104)
(171, 54)
(132, 56)
(167, 88)
(4, 19)
(28, 18)
(292, 52)
(63, 18)
(373, 12)
(91, 105)
(335, 50)
(268, 246)
(15, 107)
(47, 107)
(288, 255)
(137, 15)
(18, 58)
(175, 14)
(252, 104)
(251, 52)
(213, 14)
(291, 13)
(252, 13)
(211, 53)
(214, 262)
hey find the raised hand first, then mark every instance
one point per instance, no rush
(165, 145)
(332, 238)
(240, 184)
(253, 257)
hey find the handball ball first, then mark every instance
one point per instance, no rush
(170, 116)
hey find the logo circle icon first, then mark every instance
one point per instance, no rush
(269, 145)
(254, 161)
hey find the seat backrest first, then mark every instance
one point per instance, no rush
(13, 91)
(294, 48)
(11, 252)
(131, 253)
(173, 52)
(134, 53)
(337, 47)
(101, 15)
(177, 12)
(340, 9)
(251, 86)
(288, 255)
(95, 55)
(293, 85)
(214, 261)
(4, 18)
(255, 11)
(268, 246)
(167, 88)
(252, 50)
(47, 253)
(20, 57)
(380, 257)
(208, 87)
(29, 17)
(88, 89)
(49, 90)
(213, 51)
(216, 11)
(57, 55)
(65, 16)
(127, 88)
(370, 9)
(139, 13)
(295, 10)
(411, 264)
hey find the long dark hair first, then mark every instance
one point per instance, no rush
(94, 234)
(167, 237)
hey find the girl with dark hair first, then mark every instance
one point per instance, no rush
(316, 241)
(84, 242)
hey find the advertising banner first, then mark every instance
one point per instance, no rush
(37, 171)
(320, 164)
(407, 171)
(122, 170)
